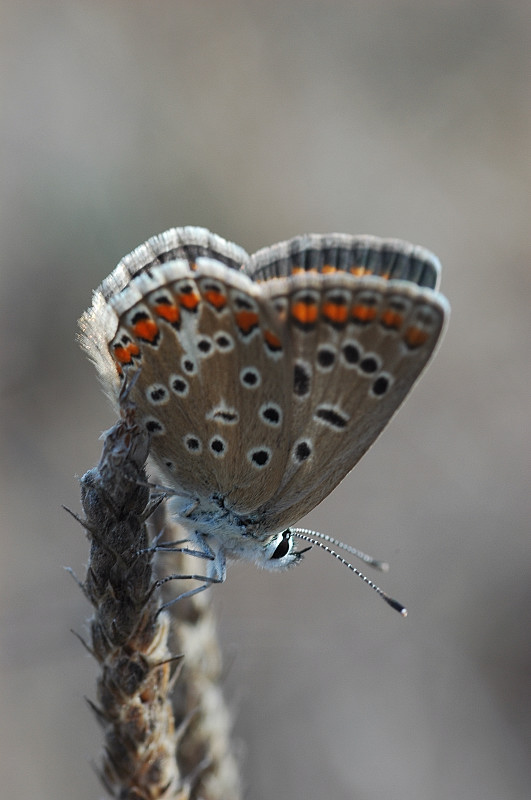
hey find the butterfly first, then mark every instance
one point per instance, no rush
(263, 379)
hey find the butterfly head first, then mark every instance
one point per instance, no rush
(279, 553)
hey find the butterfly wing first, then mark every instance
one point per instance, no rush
(263, 380)
(361, 256)
(213, 383)
(364, 319)
(133, 275)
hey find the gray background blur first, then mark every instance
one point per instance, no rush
(262, 120)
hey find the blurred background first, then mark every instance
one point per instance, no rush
(261, 120)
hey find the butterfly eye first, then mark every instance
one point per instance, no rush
(284, 546)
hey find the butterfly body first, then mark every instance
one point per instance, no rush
(220, 535)
(263, 379)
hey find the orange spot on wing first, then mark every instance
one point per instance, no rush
(392, 319)
(122, 355)
(216, 299)
(298, 270)
(125, 354)
(189, 300)
(272, 341)
(146, 329)
(327, 268)
(305, 313)
(364, 313)
(335, 312)
(167, 312)
(246, 320)
(415, 337)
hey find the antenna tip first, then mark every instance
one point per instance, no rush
(402, 610)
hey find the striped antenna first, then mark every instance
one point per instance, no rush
(320, 539)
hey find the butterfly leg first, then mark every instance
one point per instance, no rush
(173, 547)
(216, 570)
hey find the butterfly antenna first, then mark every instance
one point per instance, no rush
(382, 566)
(315, 538)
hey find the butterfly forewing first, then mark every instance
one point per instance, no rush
(352, 369)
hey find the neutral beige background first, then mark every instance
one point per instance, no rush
(262, 120)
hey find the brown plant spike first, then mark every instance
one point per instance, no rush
(130, 640)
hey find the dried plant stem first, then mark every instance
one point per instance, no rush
(152, 750)
(198, 695)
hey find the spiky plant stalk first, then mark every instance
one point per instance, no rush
(153, 748)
